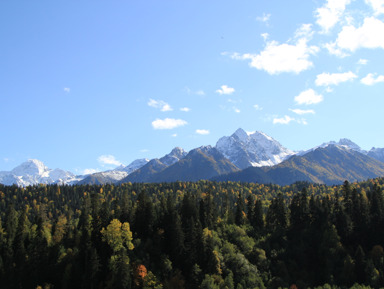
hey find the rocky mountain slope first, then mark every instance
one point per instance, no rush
(330, 165)
(245, 156)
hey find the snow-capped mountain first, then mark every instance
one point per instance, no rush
(133, 166)
(107, 177)
(115, 175)
(146, 172)
(344, 143)
(241, 150)
(34, 172)
(252, 149)
(377, 153)
(173, 157)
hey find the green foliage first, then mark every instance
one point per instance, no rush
(193, 235)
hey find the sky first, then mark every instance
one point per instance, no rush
(86, 86)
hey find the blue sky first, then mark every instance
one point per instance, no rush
(88, 85)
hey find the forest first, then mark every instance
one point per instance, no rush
(219, 235)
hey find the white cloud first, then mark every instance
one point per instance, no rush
(202, 131)
(308, 96)
(302, 111)
(90, 171)
(302, 121)
(362, 61)
(326, 79)
(351, 38)
(370, 79)
(235, 109)
(377, 6)
(174, 135)
(225, 90)
(305, 31)
(265, 36)
(284, 120)
(257, 107)
(287, 120)
(328, 15)
(168, 123)
(67, 89)
(162, 105)
(108, 160)
(185, 109)
(265, 18)
(198, 92)
(277, 58)
(335, 50)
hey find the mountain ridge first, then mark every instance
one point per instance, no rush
(332, 164)
(232, 154)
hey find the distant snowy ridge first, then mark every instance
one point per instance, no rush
(343, 143)
(252, 149)
(242, 149)
(34, 172)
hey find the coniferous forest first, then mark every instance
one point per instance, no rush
(193, 235)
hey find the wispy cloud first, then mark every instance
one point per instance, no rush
(283, 120)
(257, 107)
(287, 120)
(235, 109)
(225, 89)
(159, 104)
(168, 123)
(327, 79)
(362, 61)
(108, 160)
(198, 92)
(331, 13)
(202, 131)
(90, 171)
(308, 96)
(377, 6)
(185, 109)
(372, 79)
(67, 89)
(303, 111)
(264, 18)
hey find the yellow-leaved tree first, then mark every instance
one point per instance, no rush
(118, 235)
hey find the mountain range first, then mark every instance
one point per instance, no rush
(243, 156)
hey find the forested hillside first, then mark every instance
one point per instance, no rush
(192, 235)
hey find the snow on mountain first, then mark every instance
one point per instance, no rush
(100, 178)
(173, 157)
(377, 153)
(135, 165)
(34, 172)
(31, 167)
(344, 142)
(252, 149)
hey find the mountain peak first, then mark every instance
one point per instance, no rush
(31, 167)
(240, 134)
(174, 156)
(350, 144)
(252, 149)
(178, 151)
